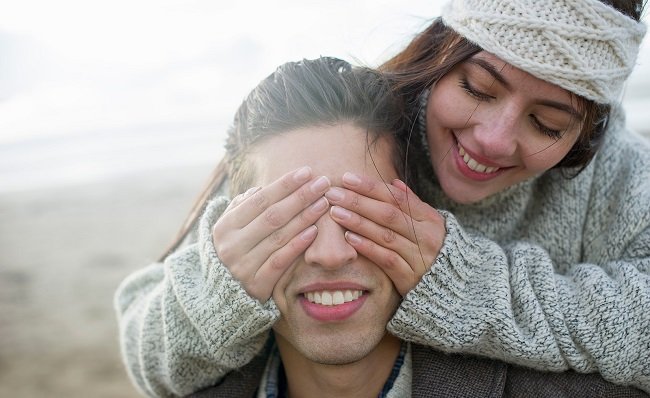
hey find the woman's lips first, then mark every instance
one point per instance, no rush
(472, 168)
(474, 164)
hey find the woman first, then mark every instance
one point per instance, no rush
(546, 254)
(536, 255)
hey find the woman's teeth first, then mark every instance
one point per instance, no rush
(335, 297)
(473, 164)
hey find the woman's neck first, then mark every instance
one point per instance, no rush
(363, 378)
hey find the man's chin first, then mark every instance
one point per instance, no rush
(336, 354)
(333, 359)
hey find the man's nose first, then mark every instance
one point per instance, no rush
(330, 249)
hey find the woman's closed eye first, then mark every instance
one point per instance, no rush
(537, 124)
(553, 133)
(481, 96)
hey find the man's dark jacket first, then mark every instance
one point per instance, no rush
(442, 375)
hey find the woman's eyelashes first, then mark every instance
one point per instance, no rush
(464, 84)
(481, 96)
(555, 134)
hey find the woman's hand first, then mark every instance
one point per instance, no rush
(264, 230)
(389, 225)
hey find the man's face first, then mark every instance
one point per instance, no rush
(335, 304)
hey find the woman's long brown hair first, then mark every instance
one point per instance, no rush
(217, 178)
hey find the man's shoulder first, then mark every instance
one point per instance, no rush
(239, 383)
(437, 374)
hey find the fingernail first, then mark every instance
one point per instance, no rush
(335, 194)
(320, 185)
(352, 238)
(319, 205)
(302, 175)
(340, 213)
(309, 233)
(351, 178)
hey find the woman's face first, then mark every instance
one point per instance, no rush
(491, 125)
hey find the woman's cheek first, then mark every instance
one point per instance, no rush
(448, 106)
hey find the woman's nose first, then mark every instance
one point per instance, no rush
(330, 249)
(497, 133)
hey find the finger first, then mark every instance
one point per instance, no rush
(396, 268)
(379, 212)
(380, 234)
(279, 214)
(285, 235)
(374, 188)
(260, 200)
(419, 252)
(264, 279)
(237, 200)
(396, 193)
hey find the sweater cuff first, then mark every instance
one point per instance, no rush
(441, 310)
(216, 303)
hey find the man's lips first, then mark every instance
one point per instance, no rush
(332, 297)
(332, 301)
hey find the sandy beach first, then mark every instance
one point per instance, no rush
(64, 251)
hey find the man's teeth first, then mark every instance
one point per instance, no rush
(473, 164)
(335, 297)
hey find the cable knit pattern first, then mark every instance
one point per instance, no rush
(583, 46)
(186, 323)
(552, 273)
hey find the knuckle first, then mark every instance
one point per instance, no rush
(252, 286)
(286, 184)
(259, 200)
(355, 202)
(304, 196)
(272, 218)
(392, 260)
(391, 215)
(224, 252)
(388, 236)
(277, 238)
(276, 263)
(371, 185)
(398, 196)
(357, 222)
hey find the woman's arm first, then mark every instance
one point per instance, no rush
(205, 311)
(184, 324)
(508, 303)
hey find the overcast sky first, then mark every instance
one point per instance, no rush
(102, 73)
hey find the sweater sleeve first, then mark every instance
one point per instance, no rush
(508, 303)
(186, 323)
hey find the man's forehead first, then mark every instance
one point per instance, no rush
(329, 150)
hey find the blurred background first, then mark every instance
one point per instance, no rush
(112, 115)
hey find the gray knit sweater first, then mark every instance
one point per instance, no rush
(552, 273)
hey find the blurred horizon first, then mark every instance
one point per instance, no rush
(92, 90)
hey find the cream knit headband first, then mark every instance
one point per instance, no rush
(583, 46)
